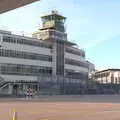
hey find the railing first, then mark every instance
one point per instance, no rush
(52, 34)
(3, 83)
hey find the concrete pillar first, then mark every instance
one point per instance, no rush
(19, 88)
(54, 59)
(10, 88)
(24, 87)
(38, 88)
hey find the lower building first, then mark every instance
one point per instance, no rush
(111, 76)
(108, 80)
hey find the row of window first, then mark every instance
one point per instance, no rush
(114, 80)
(24, 41)
(76, 75)
(75, 52)
(57, 35)
(24, 55)
(19, 69)
(76, 63)
(100, 75)
(51, 34)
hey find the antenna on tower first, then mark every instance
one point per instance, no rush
(54, 11)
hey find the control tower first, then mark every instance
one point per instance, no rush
(52, 27)
(53, 21)
(53, 32)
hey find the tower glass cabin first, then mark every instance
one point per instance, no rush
(53, 21)
(52, 28)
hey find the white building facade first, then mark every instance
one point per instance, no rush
(45, 61)
(108, 76)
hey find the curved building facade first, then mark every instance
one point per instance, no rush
(47, 61)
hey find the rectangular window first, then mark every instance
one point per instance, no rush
(24, 55)
(25, 41)
(115, 80)
(106, 81)
(20, 69)
(76, 63)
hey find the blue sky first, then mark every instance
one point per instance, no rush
(93, 24)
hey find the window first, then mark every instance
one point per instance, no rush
(76, 63)
(76, 75)
(119, 80)
(24, 55)
(101, 81)
(115, 80)
(106, 81)
(80, 53)
(25, 41)
(19, 69)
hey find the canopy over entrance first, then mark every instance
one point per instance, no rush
(6, 5)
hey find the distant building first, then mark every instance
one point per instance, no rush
(107, 81)
(111, 76)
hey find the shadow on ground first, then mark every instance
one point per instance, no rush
(68, 98)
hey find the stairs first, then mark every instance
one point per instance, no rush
(3, 83)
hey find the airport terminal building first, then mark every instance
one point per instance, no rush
(47, 61)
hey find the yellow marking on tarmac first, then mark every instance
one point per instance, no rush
(14, 115)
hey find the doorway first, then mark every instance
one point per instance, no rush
(15, 90)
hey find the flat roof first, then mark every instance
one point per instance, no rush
(112, 69)
(54, 14)
(8, 33)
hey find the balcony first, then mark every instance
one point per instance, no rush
(76, 51)
(52, 34)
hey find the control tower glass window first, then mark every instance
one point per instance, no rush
(54, 21)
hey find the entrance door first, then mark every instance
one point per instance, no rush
(15, 90)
